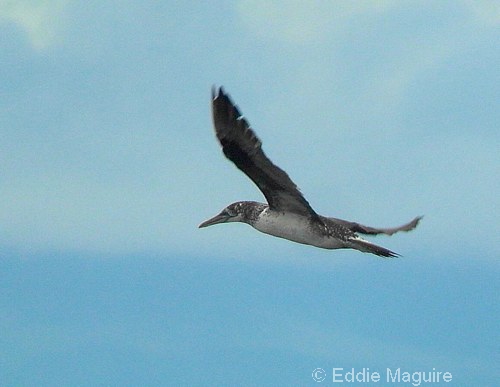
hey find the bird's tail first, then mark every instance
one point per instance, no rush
(367, 247)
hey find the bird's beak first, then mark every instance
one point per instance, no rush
(216, 219)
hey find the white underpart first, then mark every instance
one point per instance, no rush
(294, 228)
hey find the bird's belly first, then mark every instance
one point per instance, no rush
(295, 228)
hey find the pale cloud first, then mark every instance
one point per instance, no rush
(39, 19)
(389, 84)
(300, 22)
(303, 21)
(486, 11)
(425, 54)
(75, 212)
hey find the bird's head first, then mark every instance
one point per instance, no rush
(232, 213)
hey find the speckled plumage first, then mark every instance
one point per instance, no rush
(287, 215)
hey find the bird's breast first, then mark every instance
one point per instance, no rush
(295, 228)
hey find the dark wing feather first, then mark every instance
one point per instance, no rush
(359, 228)
(243, 148)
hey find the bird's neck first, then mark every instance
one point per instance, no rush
(252, 211)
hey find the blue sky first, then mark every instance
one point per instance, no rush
(378, 110)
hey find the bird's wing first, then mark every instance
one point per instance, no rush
(359, 228)
(243, 148)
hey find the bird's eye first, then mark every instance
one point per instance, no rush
(230, 212)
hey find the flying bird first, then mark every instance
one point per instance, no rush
(287, 213)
